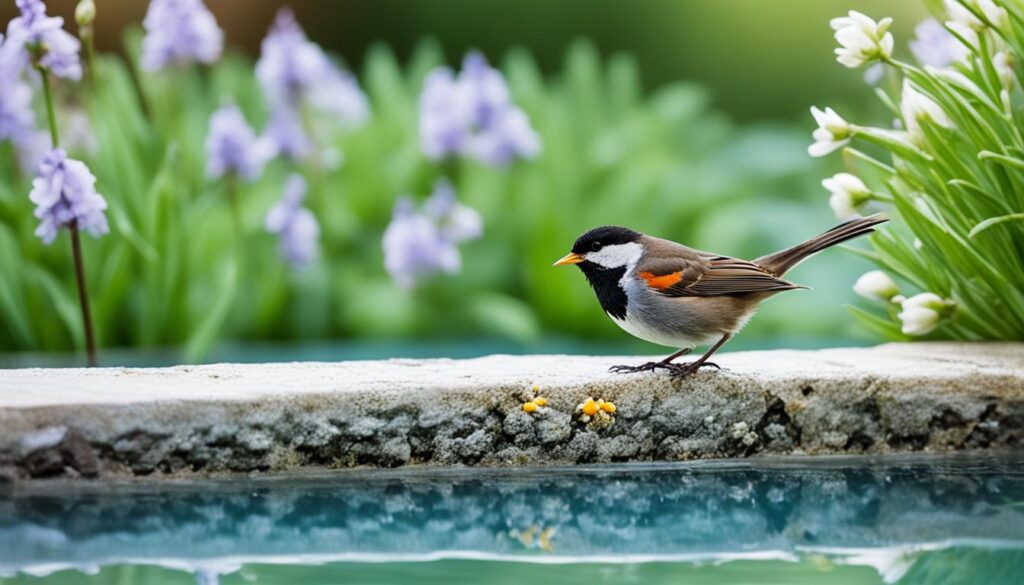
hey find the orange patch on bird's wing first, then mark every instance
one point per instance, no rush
(661, 282)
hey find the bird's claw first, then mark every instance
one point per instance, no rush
(649, 366)
(685, 370)
(675, 370)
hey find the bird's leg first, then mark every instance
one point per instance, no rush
(684, 370)
(665, 363)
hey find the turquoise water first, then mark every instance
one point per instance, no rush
(910, 520)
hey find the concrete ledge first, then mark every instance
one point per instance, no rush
(183, 420)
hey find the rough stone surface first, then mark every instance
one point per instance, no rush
(250, 418)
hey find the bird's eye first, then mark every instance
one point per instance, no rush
(596, 246)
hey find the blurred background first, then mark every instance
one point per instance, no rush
(760, 60)
(687, 120)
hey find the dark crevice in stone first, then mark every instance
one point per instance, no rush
(859, 440)
(775, 418)
(914, 442)
(947, 419)
(865, 438)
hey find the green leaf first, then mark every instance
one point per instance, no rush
(62, 301)
(215, 315)
(992, 221)
(1009, 161)
(505, 316)
(885, 327)
(12, 301)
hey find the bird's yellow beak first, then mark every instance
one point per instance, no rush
(570, 258)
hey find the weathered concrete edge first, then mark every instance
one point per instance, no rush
(121, 423)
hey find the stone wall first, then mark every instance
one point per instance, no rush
(117, 422)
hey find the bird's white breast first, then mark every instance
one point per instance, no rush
(638, 328)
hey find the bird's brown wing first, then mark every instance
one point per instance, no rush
(706, 276)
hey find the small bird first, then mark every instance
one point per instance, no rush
(672, 295)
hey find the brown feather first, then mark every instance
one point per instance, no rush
(697, 274)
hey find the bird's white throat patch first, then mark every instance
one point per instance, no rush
(617, 255)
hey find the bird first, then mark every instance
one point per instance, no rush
(673, 295)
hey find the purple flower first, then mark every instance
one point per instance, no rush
(17, 121)
(289, 63)
(285, 134)
(52, 48)
(473, 115)
(296, 225)
(180, 31)
(457, 222)
(232, 146)
(445, 115)
(65, 191)
(418, 245)
(507, 137)
(292, 71)
(935, 46)
(338, 94)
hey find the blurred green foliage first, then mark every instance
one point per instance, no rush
(171, 272)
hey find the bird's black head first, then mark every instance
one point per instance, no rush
(607, 235)
(604, 254)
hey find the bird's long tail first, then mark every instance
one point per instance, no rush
(781, 262)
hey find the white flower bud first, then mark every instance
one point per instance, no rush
(876, 285)
(923, 312)
(917, 108)
(861, 39)
(1003, 63)
(849, 194)
(85, 12)
(832, 133)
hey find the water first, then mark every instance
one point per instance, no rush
(910, 520)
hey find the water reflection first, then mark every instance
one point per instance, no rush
(886, 515)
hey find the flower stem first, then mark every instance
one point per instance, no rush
(236, 211)
(76, 241)
(86, 34)
(51, 114)
(83, 293)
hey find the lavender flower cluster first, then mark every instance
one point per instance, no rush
(65, 192)
(419, 244)
(179, 32)
(232, 146)
(295, 73)
(296, 225)
(42, 39)
(17, 123)
(473, 115)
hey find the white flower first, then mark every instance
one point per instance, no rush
(917, 108)
(1003, 63)
(922, 313)
(876, 285)
(832, 133)
(862, 40)
(848, 194)
(961, 14)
